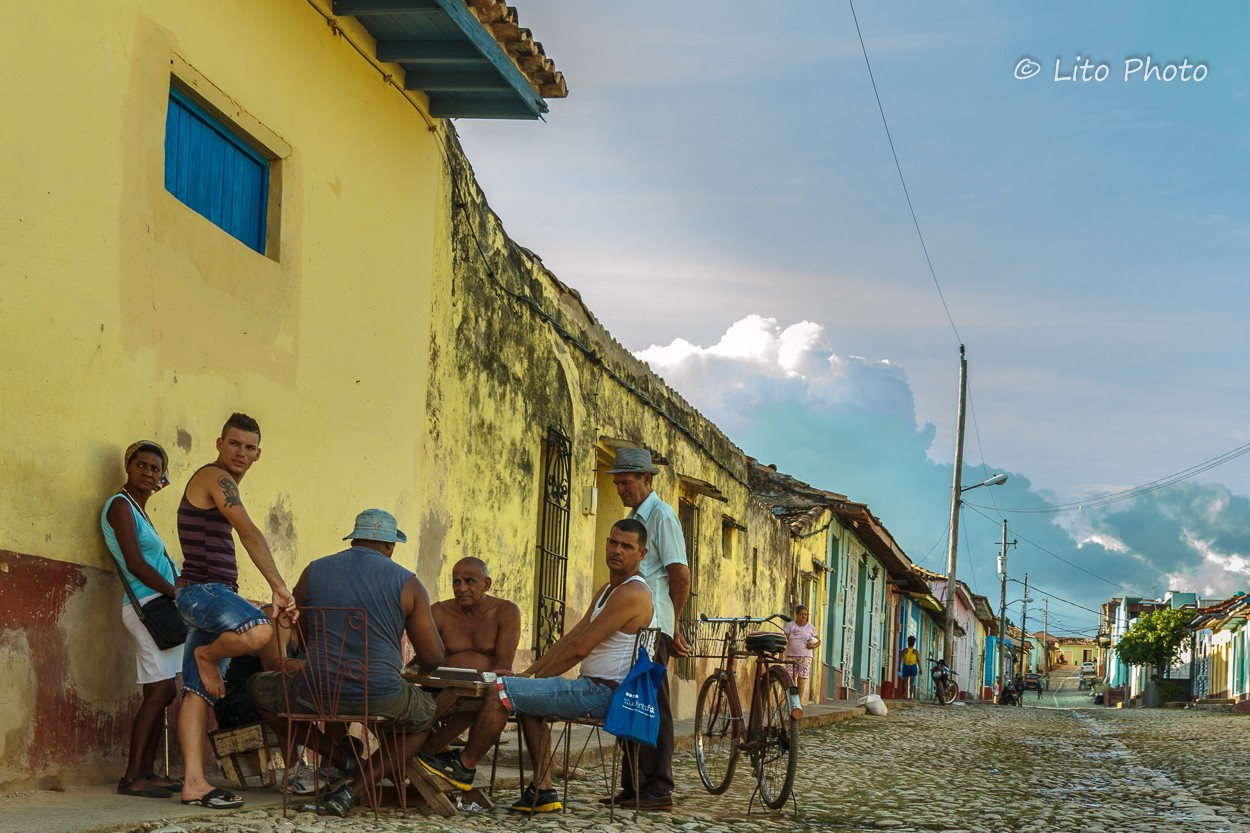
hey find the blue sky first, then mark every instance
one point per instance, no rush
(725, 163)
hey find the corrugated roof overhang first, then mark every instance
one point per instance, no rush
(449, 55)
(927, 601)
(702, 487)
(880, 543)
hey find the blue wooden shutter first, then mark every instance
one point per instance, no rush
(212, 170)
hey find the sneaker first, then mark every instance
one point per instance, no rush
(299, 780)
(333, 777)
(546, 801)
(338, 803)
(446, 765)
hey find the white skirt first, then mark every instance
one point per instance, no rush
(152, 665)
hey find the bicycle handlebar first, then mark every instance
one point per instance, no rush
(743, 620)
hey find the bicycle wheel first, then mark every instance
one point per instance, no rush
(775, 755)
(947, 692)
(715, 747)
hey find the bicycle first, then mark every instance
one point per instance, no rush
(945, 689)
(769, 733)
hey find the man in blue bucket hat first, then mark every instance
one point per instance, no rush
(364, 576)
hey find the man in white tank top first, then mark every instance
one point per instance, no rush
(603, 642)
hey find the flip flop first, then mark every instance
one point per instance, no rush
(217, 799)
(123, 788)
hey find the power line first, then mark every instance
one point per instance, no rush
(901, 178)
(1059, 557)
(1135, 491)
(1050, 595)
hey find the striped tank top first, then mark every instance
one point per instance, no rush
(207, 544)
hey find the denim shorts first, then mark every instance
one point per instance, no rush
(209, 611)
(558, 697)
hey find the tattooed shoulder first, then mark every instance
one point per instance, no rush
(231, 491)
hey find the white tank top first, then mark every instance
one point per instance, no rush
(611, 658)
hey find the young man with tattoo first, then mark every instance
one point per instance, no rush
(221, 624)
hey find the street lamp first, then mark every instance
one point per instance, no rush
(996, 480)
(948, 641)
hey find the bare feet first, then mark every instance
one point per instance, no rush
(210, 676)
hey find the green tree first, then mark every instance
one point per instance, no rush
(1155, 639)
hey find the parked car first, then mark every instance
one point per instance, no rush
(1088, 667)
(1032, 682)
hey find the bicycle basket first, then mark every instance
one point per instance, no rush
(766, 642)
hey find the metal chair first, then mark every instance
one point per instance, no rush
(336, 654)
(646, 637)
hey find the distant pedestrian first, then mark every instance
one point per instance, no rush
(911, 668)
(802, 639)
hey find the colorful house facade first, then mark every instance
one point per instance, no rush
(1221, 661)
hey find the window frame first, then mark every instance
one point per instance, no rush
(259, 233)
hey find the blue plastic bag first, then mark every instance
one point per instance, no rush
(633, 713)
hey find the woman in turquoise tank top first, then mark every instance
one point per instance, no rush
(147, 569)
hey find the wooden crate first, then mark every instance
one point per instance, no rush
(246, 751)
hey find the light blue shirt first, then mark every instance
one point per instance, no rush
(666, 544)
(150, 544)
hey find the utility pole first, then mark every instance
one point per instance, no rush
(948, 641)
(1046, 627)
(1002, 608)
(1024, 618)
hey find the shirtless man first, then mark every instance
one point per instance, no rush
(479, 631)
(602, 642)
(221, 624)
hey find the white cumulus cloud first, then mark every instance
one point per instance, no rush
(757, 362)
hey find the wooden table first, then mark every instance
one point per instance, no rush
(456, 704)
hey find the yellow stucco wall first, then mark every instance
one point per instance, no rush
(129, 315)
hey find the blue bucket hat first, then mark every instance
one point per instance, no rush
(377, 525)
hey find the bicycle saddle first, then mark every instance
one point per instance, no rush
(767, 642)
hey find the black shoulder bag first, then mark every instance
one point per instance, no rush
(159, 615)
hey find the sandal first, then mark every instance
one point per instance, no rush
(217, 799)
(123, 788)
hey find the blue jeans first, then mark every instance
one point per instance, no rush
(209, 611)
(558, 697)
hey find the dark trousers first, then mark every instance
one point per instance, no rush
(655, 765)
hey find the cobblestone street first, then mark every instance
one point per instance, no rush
(921, 768)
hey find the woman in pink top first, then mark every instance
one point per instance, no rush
(802, 636)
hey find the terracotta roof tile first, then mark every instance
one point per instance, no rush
(500, 20)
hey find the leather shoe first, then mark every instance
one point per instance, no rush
(621, 798)
(662, 803)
